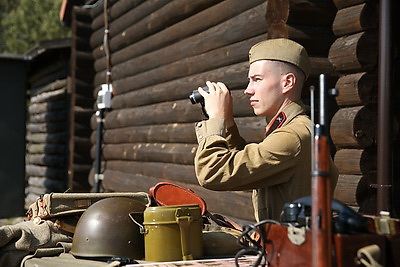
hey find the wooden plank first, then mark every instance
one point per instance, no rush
(354, 127)
(355, 53)
(356, 18)
(355, 161)
(357, 89)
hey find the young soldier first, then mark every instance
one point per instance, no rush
(277, 169)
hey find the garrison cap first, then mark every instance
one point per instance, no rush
(281, 49)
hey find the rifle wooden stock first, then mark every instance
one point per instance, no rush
(321, 199)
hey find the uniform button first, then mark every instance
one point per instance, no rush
(200, 137)
(199, 124)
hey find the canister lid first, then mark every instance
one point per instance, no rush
(170, 214)
(167, 194)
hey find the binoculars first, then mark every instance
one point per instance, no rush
(196, 98)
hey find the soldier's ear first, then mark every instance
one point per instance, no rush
(289, 80)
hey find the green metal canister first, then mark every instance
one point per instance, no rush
(173, 233)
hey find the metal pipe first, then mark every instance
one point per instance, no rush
(384, 175)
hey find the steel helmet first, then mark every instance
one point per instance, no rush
(106, 230)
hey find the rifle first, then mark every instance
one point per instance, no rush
(321, 224)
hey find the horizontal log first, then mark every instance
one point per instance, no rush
(54, 138)
(355, 53)
(57, 74)
(217, 201)
(121, 15)
(355, 161)
(82, 28)
(115, 10)
(47, 106)
(52, 116)
(193, 25)
(354, 127)
(46, 148)
(354, 19)
(79, 43)
(96, 10)
(54, 86)
(357, 89)
(37, 190)
(50, 96)
(165, 16)
(41, 171)
(340, 4)
(192, 55)
(252, 129)
(156, 152)
(164, 171)
(50, 184)
(36, 77)
(188, 66)
(235, 76)
(47, 160)
(47, 127)
(346, 189)
(218, 36)
(194, 65)
(180, 111)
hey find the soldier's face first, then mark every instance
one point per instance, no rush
(265, 88)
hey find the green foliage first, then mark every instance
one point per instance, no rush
(29, 22)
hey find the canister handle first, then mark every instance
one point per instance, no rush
(141, 227)
(184, 220)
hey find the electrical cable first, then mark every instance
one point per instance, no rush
(251, 246)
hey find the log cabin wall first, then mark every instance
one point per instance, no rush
(47, 119)
(160, 51)
(354, 55)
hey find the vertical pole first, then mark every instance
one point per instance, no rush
(384, 181)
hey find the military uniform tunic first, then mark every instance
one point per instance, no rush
(277, 169)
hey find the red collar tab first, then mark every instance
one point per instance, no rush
(277, 123)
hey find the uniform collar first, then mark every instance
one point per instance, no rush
(289, 112)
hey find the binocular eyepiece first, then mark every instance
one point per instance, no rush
(196, 98)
